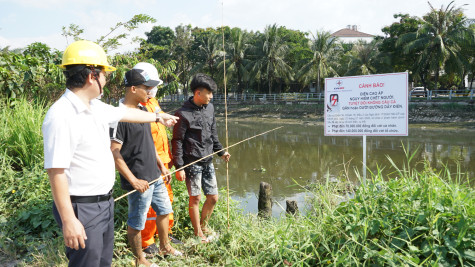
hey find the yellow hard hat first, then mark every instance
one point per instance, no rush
(87, 53)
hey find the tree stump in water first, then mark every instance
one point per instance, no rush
(292, 207)
(264, 204)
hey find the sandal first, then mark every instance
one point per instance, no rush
(151, 250)
(202, 239)
(211, 235)
(174, 240)
(171, 252)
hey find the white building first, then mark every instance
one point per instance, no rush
(350, 34)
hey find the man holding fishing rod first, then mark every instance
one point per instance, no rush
(77, 155)
(160, 140)
(194, 137)
(138, 163)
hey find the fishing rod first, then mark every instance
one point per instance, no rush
(161, 177)
(225, 109)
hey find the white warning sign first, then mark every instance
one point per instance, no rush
(373, 105)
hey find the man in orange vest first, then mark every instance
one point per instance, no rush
(160, 140)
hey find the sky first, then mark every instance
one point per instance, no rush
(23, 22)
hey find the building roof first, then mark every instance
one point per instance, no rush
(350, 33)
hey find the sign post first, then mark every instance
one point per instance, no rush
(368, 105)
(364, 157)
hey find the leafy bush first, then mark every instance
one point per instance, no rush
(33, 74)
(26, 218)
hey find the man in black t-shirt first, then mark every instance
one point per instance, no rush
(138, 164)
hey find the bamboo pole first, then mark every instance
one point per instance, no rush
(210, 155)
(225, 110)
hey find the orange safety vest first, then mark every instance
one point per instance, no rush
(160, 140)
(159, 132)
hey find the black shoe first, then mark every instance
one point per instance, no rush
(151, 250)
(174, 240)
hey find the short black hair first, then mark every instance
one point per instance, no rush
(201, 80)
(76, 75)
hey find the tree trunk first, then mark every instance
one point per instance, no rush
(269, 81)
(462, 83)
(292, 207)
(239, 89)
(264, 204)
(436, 78)
(318, 81)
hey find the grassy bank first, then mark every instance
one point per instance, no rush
(420, 218)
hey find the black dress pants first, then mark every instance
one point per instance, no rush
(98, 221)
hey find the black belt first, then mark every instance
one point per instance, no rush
(91, 199)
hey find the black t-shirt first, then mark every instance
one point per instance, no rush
(138, 151)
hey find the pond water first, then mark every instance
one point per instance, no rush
(301, 153)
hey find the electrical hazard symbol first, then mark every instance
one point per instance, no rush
(333, 99)
(332, 104)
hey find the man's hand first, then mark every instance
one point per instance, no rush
(140, 185)
(74, 234)
(167, 119)
(73, 230)
(180, 175)
(226, 156)
(166, 174)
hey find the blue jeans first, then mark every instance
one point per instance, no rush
(201, 175)
(139, 203)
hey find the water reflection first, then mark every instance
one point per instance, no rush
(303, 154)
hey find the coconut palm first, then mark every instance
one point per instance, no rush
(209, 53)
(467, 56)
(236, 57)
(270, 54)
(438, 40)
(365, 58)
(318, 65)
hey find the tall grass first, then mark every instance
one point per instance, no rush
(20, 132)
(421, 218)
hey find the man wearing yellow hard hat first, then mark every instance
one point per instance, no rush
(77, 155)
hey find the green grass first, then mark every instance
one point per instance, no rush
(20, 132)
(421, 218)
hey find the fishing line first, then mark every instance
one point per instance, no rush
(161, 177)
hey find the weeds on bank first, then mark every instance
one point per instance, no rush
(421, 218)
(20, 132)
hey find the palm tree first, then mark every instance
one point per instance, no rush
(438, 40)
(236, 57)
(319, 64)
(270, 56)
(365, 58)
(469, 51)
(209, 53)
(181, 50)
